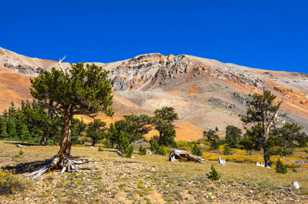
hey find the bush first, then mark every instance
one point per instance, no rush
(142, 150)
(158, 149)
(196, 150)
(233, 136)
(280, 167)
(129, 151)
(212, 138)
(10, 183)
(281, 151)
(184, 145)
(227, 150)
(213, 174)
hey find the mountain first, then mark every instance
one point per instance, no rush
(206, 93)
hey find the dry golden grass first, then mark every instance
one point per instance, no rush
(243, 170)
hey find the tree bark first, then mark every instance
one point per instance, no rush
(266, 155)
(65, 144)
(44, 139)
(93, 142)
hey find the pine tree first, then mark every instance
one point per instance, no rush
(262, 114)
(233, 136)
(24, 133)
(11, 128)
(82, 89)
(96, 130)
(163, 120)
(3, 127)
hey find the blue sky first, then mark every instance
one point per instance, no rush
(259, 33)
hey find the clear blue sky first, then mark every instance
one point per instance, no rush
(259, 33)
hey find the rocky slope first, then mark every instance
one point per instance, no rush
(206, 93)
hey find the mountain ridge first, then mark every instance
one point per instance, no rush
(206, 93)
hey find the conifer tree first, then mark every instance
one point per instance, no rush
(262, 115)
(82, 89)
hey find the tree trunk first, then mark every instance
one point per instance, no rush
(65, 144)
(93, 142)
(266, 155)
(44, 139)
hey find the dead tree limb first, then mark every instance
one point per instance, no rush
(177, 154)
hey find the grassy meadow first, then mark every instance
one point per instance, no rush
(108, 178)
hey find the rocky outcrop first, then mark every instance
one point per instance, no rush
(25, 65)
(155, 70)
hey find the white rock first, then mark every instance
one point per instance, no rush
(296, 185)
(221, 161)
(259, 164)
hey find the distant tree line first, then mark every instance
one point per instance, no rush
(264, 130)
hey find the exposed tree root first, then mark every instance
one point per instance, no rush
(67, 164)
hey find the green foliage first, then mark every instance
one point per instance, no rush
(142, 150)
(196, 150)
(261, 115)
(233, 136)
(123, 133)
(137, 125)
(3, 127)
(123, 145)
(281, 151)
(11, 128)
(156, 148)
(247, 143)
(290, 135)
(96, 130)
(78, 128)
(166, 113)
(227, 150)
(134, 126)
(166, 133)
(254, 138)
(163, 120)
(212, 138)
(280, 167)
(213, 174)
(81, 89)
(24, 133)
(185, 145)
(30, 122)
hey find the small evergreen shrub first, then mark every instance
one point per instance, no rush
(142, 150)
(129, 151)
(196, 150)
(158, 149)
(163, 150)
(280, 167)
(213, 174)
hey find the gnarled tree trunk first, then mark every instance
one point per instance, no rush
(65, 144)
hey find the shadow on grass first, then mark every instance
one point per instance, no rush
(26, 167)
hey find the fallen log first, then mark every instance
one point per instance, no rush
(177, 154)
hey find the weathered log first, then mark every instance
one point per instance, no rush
(177, 154)
(67, 164)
